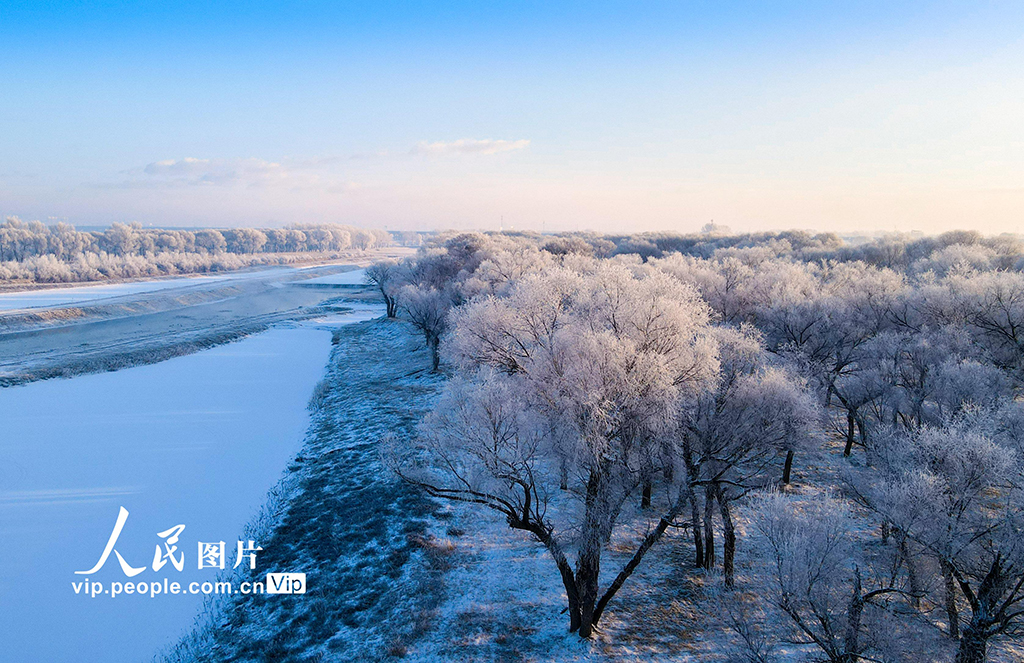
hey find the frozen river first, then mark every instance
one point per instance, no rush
(83, 294)
(195, 441)
(89, 294)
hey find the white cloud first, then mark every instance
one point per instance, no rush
(184, 166)
(324, 174)
(468, 146)
(209, 172)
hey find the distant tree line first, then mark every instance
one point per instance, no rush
(595, 379)
(60, 253)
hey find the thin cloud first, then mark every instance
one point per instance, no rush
(468, 146)
(361, 156)
(214, 172)
(310, 174)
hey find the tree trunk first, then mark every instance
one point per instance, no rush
(985, 613)
(973, 646)
(565, 571)
(645, 496)
(863, 432)
(729, 534)
(587, 573)
(949, 586)
(851, 639)
(698, 538)
(648, 541)
(435, 356)
(912, 578)
(709, 527)
(691, 494)
(851, 431)
(588, 566)
(787, 469)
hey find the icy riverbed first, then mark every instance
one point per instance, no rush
(195, 441)
(354, 277)
(88, 294)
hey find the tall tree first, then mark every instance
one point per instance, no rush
(601, 356)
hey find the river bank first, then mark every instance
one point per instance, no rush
(375, 569)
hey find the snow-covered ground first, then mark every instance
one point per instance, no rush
(196, 440)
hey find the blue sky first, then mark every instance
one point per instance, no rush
(604, 116)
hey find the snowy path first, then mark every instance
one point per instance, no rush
(196, 440)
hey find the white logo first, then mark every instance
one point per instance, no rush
(286, 583)
(209, 555)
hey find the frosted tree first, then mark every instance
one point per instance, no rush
(502, 269)
(244, 240)
(931, 376)
(736, 435)
(829, 334)
(989, 305)
(958, 491)
(815, 580)
(121, 239)
(427, 309)
(572, 378)
(211, 241)
(386, 275)
(739, 286)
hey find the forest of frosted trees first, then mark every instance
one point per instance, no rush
(837, 428)
(59, 253)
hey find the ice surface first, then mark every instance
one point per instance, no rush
(82, 294)
(354, 277)
(89, 293)
(196, 440)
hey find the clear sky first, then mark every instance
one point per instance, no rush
(556, 116)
